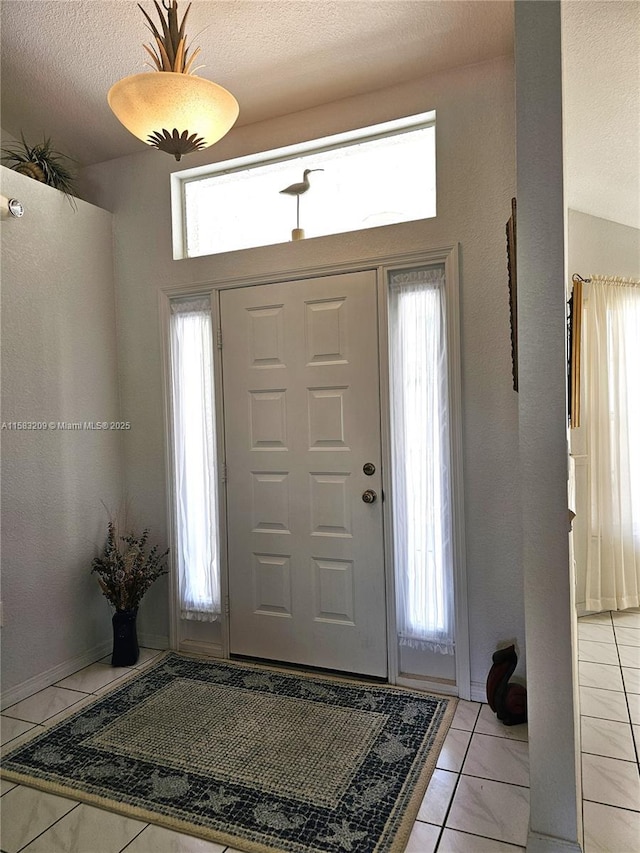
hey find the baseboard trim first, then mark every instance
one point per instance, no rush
(478, 691)
(537, 843)
(153, 641)
(50, 676)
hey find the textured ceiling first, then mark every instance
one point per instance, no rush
(601, 91)
(60, 57)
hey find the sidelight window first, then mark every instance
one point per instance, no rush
(421, 459)
(194, 459)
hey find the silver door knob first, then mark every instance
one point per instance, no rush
(369, 497)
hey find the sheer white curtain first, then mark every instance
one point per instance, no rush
(421, 460)
(611, 341)
(194, 454)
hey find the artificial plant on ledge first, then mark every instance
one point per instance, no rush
(125, 571)
(42, 163)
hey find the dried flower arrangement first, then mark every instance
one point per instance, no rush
(126, 573)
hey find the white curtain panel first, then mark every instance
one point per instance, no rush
(611, 340)
(194, 454)
(421, 460)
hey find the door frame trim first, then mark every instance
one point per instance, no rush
(382, 265)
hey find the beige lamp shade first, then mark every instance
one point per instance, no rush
(176, 113)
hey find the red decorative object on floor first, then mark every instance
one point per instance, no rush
(508, 701)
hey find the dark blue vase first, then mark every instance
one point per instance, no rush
(125, 638)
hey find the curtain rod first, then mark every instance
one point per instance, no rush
(605, 279)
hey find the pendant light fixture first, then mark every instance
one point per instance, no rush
(171, 108)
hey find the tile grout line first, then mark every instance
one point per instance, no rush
(582, 797)
(51, 716)
(51, 825)
(458, 773)
(457, 783)
(137, 835)
(610, 806)
(626, 697)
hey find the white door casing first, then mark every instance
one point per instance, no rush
(302, 417)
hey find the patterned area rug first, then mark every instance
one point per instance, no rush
(261, 759)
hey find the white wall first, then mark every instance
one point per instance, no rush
(553, 755)
(595, 246)
(58, 364)
(476, 179)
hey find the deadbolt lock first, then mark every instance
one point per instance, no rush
(369, 497)
(369, 469)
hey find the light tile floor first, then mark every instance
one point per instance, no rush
(478, 798)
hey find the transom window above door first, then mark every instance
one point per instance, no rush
(374, 176)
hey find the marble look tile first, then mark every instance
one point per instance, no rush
(8, 747)
(453, 750)
(489, 724)
(598, 652)
(106, 661)
(490, 809)
(423, 838)
(627, 636)
(610, 781)
(605, 704)
(597, 618)
(147, 655)
(466, 715)
(436, 800)
(5, 786)
(606, 737)
(499, 759)
(599, 675)
(596, 631)
(87, 828)
(607, 828)
(87, 699)
(636, 736)
(93, 678)
(631, 679)
(627, 618)
(633, 700)
(156, 839)
(629, 656)
(44, 704)
(26, 813)
(10, 728)
(460, 842)
(116, 683)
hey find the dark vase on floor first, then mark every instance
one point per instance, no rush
(125, 638)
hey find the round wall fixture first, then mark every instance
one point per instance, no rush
(16, 208)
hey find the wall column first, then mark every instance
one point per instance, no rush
(554, 823)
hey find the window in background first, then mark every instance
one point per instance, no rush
(611, 419)
(379, 176)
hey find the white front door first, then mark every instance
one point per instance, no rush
(302, 420)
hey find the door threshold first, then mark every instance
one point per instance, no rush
(318, 670)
